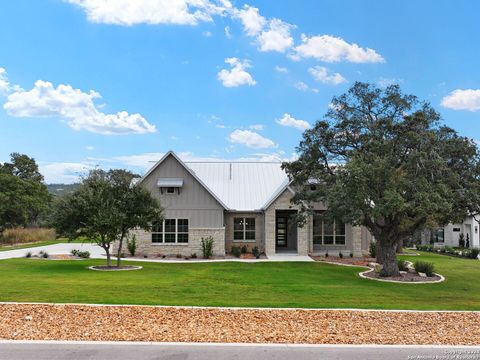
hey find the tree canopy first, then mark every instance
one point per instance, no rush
(383, 160)
(23, 195)
(104, 208)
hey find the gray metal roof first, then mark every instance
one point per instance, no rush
(242, 186)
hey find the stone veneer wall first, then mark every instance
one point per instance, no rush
(283, 203)
(146, 247)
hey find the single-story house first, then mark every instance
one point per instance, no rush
(450, 234)
(237, 204)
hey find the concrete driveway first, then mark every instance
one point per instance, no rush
(96, 251)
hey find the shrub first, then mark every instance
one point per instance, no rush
(45, 255)
(402, 265)
(340, 255)
(207, 247)
(351, 254)
(461, 240)
(132, 245)
(442, 250)
(256, 252)
(473, 253)
(80, 254)
(373, 249)
(244, 249)
(178, 256)
(193, 256)
(425, 248)
(22, 236)
(424, 267)
(236, 251)
(28, 254)
(449, 250)
(326, 254)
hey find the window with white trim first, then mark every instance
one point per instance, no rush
(243, 229)
(170, 231)
(327, 232)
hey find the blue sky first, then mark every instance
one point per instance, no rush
(116, 83)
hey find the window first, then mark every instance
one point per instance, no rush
(244, 229)
(170, 190)
(170, 231)
(327, 232)
(456, 229)
(438, 235)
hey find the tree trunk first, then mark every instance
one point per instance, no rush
(388, 250)
(119, 251)
(399, 246)
(109, 260)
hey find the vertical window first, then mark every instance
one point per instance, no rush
(170, 231)
(328, 232)
(438, 235)
(244, 229)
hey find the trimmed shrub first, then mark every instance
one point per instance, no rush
(28, 254)
(22, 236)
(193, 256)
(256, 252)
(373, 249)
(236, 251)
(45, 255)
(424, 267)
(80, 254)
(402, 265)
(132, 245)
(473, 253)
(326, 254)
(244, 249)
(340, 254)
(351, 254)
(207, 247)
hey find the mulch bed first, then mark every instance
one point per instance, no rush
(115, 268)
(138, 323)
(408, 277)
(345, 260)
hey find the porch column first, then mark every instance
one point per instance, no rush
(270, 231)
(357, 241)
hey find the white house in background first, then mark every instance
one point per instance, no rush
(237, 204)
(450, 234)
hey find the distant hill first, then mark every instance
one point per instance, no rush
(60, 189)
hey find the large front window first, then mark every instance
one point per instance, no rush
(244, 229)
(328, 232)
(170, 231)
(438, 235)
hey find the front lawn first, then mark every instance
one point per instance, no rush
(310, 285)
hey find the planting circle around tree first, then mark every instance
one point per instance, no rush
(115, 268)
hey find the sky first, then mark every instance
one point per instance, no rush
(117, 83)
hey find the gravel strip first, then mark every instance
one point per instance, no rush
(165, 324)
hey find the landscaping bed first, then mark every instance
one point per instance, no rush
(405, 276)
(168, 324)
(345, 260)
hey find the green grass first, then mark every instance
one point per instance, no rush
(39, 243)
(312, 285)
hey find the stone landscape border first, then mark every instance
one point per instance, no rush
(130, 268)
(363, 276)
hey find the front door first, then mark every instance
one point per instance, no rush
(281, 232)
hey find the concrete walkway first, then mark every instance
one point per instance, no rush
(123, 351)
(96, 252)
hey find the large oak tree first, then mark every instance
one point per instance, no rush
(383, 160)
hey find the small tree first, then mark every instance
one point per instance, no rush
(461, 240)
(104, 208)
(383, 160)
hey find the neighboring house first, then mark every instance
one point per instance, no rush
(236, 203)
(450, 234)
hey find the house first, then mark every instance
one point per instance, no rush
(450, 234)
(237, 204)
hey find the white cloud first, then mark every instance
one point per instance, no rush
(4, 83)
(207, 33)
(237, 75)
(74, 106)
(220, 126)
(334, 49)
(468, 99)
(250, 139)
(300, 85)
(281, 69)
(386, 82)
(251, 19)
(277, 37)
(289, 121)
(228, 34)
(90, 148)
(127, 12)
(321, 74)
(257, 127)
(64, 172)
(146, 160)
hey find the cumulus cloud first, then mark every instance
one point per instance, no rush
(250, 139)
(321, 74)
(237, 75)
(334, 49)
(468, 99)
(257, 127)
(289, 121)
(4, 83)
(281, 69)
(251, 20)
(277, 37)
(64, 172)
(74, 106)
(127, 12)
